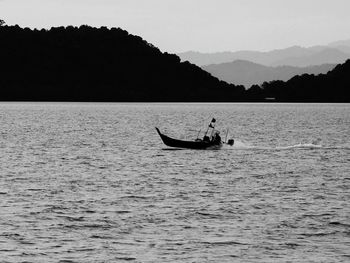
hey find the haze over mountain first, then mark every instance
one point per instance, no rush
(327, 55)
(336, 52)
(247, 73)
(342, 45)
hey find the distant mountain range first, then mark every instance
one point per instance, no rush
(324, 56)
(334, 53)
(242, 72)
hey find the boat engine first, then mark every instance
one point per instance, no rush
(230, 142)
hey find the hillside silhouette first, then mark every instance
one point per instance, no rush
(247, 73)
(331, 87)
(90, 64)
(100, 64)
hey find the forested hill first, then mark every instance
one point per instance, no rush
(331, 87)
(90, 64)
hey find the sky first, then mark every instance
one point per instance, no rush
(199, 25)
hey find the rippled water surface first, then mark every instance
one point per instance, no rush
(94, 183)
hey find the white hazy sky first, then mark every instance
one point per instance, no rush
(201, 25)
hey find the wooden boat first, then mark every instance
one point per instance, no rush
(197, 144)
(212, 142)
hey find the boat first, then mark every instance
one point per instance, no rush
(212, 142)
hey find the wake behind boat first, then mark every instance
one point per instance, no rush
(208, 142)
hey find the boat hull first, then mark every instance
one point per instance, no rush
(199, 145)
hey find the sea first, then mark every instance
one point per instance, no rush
(93, 182)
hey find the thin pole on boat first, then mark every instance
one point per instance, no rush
(207, 130)
(226, 135)
(198, 133)
(212, 131)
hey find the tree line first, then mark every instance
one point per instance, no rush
(100, 64)
(333, 86)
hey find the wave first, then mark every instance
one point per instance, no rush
(301, 146)
(243, 145)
